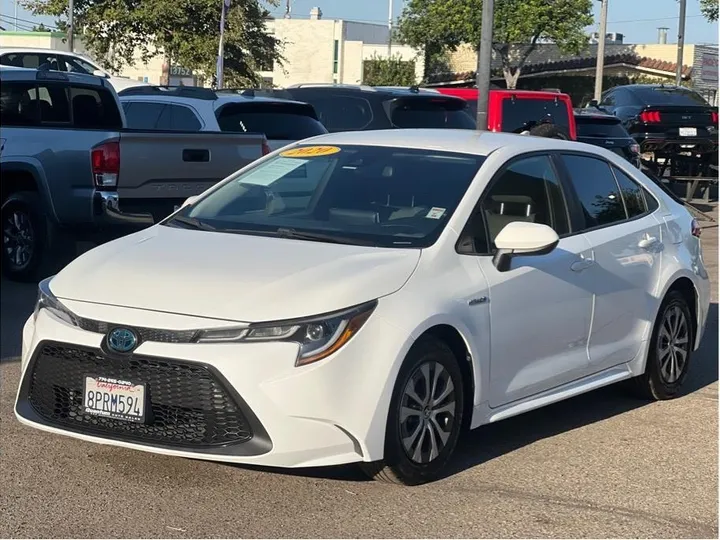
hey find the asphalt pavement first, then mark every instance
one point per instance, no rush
(600, 465)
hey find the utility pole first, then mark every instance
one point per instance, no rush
(288, 10)
(71, 26)
(681, 42)
(15, 20)
(221, 45)
(600, 66)
(484, 65)
(390, 27)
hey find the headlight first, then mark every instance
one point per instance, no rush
(318, 337)
(46, 300)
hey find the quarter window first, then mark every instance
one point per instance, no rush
(597, 190)
(527, 190)
(178, 118)
(141, 115)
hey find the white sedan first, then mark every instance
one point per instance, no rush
(364, 297)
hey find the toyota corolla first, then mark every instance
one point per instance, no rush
(364, 297)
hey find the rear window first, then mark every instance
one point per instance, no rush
(517, 113)
(670, 96)
(58, 105)
(430, 113)
(600, 127)
(278, 121)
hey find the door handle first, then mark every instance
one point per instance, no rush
(648, 242)
(582, 264)
(196, 155)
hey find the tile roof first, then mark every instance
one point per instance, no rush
(576, 64)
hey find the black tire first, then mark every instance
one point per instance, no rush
(397, 466)
(656, 384)
(24, 208)
(550, 131)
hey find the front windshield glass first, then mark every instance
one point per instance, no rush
(362, 195)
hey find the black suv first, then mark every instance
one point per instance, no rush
(605, 130)
(360, 108)
(663, 119)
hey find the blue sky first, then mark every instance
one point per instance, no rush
(637, 19)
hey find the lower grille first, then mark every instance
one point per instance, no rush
(187, 404)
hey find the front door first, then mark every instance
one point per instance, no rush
(540, 309)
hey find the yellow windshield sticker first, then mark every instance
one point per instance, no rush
(310, 151)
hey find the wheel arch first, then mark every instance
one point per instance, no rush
(685, 284)
(25, 175)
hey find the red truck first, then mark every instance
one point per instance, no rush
(542, 113)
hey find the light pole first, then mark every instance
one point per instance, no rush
(390, 27)
(221, 45)
(71, 26)
(600, 65)
(681, 43)
(484, 65)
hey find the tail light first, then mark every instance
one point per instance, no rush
(265, 147)
(105, 160)
(695, 228)
(650, 117)
(714, 116)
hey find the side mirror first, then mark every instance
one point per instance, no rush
(593, 103)
(190, 200)
(101, 73)
(522, 238)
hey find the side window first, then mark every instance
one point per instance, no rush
(608, 100)
(25, 104)
(178, 118)
(342, 113)
(637, 199)
(632, 194)
(142, 115)
(527, 190)
(596, 189)
(94, 108)
(75, 65)
(34, 61)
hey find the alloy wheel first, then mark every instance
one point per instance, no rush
(18, 239)
(673, 344)
(427, 412)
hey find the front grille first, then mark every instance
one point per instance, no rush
(187, 405)
(145, 334)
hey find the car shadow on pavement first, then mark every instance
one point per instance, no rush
(494, 440)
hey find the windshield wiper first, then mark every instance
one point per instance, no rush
(193, 223)
(321, 237)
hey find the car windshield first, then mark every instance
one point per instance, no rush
(360, 195)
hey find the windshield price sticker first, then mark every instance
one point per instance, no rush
(310, 151)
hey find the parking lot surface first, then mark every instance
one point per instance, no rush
(600, 465)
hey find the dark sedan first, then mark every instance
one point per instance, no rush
(599, 129)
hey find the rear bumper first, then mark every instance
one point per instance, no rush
(662, 142)
(106, 206)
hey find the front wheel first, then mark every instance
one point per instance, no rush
(425, 417)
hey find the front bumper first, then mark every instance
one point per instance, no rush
(106, 205)
(328, 413)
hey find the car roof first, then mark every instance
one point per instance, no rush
(41, 49)
(386, 90)
(592, 114)
(219, 101)
(464, 141)
(13, 73)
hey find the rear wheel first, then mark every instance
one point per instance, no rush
(670, 350)
(425, 416)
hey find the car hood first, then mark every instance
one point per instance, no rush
(232, 277)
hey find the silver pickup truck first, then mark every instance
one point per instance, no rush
(69, 170)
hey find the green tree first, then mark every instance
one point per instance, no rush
(709, 8)
(518, 27)
(392, 71)
(40, 28)
(186, 31)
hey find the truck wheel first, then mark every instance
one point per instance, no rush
(25, 238)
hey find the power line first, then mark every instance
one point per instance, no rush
(12, 19)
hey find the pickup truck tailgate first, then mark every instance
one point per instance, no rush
(160, 169)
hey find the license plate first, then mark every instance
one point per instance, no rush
(688, 132)
(113, 398)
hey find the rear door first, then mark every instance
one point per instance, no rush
(281, 122)
(616, 217)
